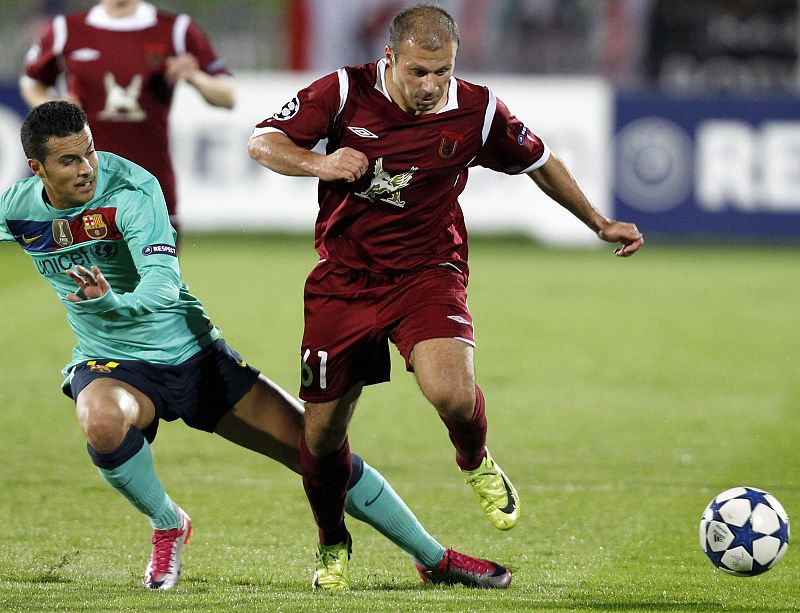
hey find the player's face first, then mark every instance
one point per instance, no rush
(418, 79)
(120, 8)
(69, 171)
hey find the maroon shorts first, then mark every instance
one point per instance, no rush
(351, 315)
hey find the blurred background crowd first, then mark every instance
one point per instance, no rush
(674, 45)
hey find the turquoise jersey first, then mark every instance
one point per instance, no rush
(124, 230)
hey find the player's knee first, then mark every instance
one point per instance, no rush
(323, 439)
(103, 426)
(454, 404)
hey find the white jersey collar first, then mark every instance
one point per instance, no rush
(452, 94)
(146, 16)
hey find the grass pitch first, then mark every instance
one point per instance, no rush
(622, 396)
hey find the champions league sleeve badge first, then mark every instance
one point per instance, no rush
(288, 110)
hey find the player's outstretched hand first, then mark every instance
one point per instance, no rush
(343, 164)
(92, 284)
(626, 233)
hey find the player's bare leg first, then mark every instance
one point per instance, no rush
(266, 420)
(445, 373)
(112, 415)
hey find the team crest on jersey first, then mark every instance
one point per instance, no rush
(155, 54)
(95, 226)
(62, 233)
(448, 143)
(122, 103)
(288, 110)
(384, 183)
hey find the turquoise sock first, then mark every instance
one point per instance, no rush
(372, 500)
(129, 469)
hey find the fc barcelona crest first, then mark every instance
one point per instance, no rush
(62, 233)
(95, 226)
(449, 143)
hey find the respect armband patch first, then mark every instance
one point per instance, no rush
(160, 249)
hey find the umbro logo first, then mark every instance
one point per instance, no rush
(362, 132)
(459, 319)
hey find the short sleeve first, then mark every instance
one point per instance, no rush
(43, 62)
(511, 147)
(199, 45)
(309, 116)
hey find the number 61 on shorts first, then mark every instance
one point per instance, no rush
(307, 372)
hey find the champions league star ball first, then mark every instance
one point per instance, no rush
(744, 531)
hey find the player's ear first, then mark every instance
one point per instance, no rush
(389, 55)
(36, 167)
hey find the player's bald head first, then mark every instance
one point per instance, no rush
(426, 26)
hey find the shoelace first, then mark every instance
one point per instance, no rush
(494, 489)
(459, 561)
(163, 544)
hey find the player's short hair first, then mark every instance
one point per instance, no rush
(428, 25)
(53, 119)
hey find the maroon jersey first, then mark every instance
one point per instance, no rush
(403, 213)
(116, 68)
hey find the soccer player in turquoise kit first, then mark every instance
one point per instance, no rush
(400, 137)
(97, 229)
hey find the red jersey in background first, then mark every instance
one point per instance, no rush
(116, 68)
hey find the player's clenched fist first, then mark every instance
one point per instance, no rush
(343, 164)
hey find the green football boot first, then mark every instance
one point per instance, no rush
(498, 496)
(332, 573)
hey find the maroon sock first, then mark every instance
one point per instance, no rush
(325, 481)
(469, 438)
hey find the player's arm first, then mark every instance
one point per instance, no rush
(276, 151)
(217, 90)
(35, 92)
(157, 289)
(44, 64)
(555, 180)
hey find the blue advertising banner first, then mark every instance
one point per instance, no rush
(708, 167)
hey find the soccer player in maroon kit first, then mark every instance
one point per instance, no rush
(401, 135)
(122, 60)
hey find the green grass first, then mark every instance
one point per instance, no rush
(622, 396)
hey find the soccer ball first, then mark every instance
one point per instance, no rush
(744, 531)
